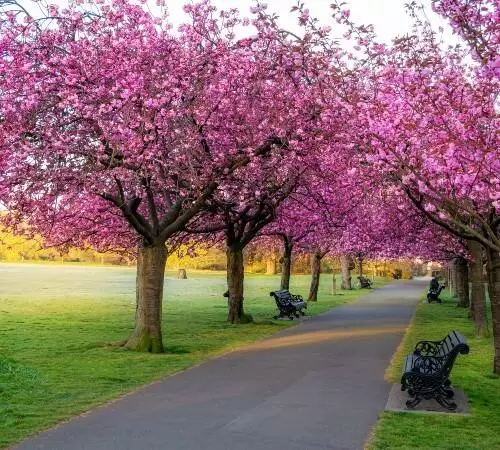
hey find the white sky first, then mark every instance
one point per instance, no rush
(388, 16)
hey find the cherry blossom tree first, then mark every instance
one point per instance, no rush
(117, 131)
(238, 213)
(290, 227)
(476, 22)
(432, 128)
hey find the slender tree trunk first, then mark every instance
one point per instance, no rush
(235, 278)
(462, 278)
(345, 264)
(334, 283)
(315, 273)
(286, 265)
(449, 279)
(271, 265)
(453, 277)
(494, 291)
(147, 335)
(478, 297)
(360, 259)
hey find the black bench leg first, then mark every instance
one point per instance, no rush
(412, 402)
(442, 399)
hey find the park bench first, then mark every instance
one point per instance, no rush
(289, 305)
(397, 274)
(426, 372)
(433, 294)
(365, 282)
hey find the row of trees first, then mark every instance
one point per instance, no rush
(120, 133)
(260, 257)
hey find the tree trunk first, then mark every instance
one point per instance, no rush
(478, 297)
(334, 283)
(462, 278)
(453, 277)
(360, 259)
(147, 336)
(315, 273)
(494, 291)
(345, 264)
(449, 279)
(286, 265)
(235, 278)
(271, 265)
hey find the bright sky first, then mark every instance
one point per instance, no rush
(388, 16)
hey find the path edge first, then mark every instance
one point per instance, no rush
(388, 374)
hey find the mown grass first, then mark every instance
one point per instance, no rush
(60, 326)
(472, 372)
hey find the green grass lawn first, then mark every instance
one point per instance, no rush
(60, 325)
(472, 372)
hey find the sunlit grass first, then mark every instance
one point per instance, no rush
(472, 372)
(60, 326)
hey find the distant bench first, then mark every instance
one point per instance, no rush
(364, 282)
(426, 372)
(289, 305)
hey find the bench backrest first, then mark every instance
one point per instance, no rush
(283, 297)
(443, 354)
(453, 343)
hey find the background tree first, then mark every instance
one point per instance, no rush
(432, 129)
(118, 131)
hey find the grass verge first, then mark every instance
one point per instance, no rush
(472, 372)
(59, 327)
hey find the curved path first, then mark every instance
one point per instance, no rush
(316, 386)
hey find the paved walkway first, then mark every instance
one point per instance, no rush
(317, 386)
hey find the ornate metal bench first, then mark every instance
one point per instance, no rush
(289, 305)
(365, 283)
(426, 372)
(433, 294)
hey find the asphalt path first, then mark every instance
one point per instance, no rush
(317, 386)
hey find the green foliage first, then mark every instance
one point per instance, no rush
(60, 327)
(17, 248)
(472, 372)
(197, 257)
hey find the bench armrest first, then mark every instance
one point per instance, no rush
(427, 365)
(427, 348)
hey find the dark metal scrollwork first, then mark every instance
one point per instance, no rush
(427, 348)
(426, 375)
